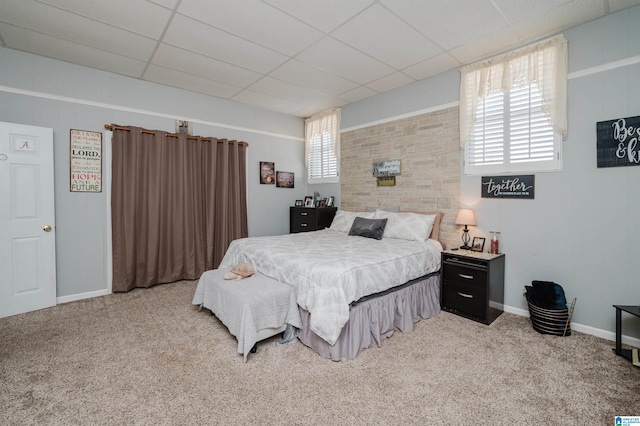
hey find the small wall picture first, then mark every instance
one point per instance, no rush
(330, 201)
(285, 179)
(184, 126)
(478, 244)
(308, 201)
(299, 203)
(267, 173)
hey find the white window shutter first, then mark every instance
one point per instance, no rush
(512, 110)
(322, 147)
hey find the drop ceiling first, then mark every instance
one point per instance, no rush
(296, 57)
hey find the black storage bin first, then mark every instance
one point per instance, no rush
(548, 310)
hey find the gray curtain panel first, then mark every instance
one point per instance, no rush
(177, 201)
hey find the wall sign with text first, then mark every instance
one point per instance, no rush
(618, 142)
(386, 168)
(86, 161)
(508, 186)
(386, 180)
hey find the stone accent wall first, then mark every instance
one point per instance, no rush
(428, 146)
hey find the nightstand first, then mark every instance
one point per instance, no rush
(303, 219)
(472, 284)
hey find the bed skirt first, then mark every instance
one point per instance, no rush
(376, 318)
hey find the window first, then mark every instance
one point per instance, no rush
(513, 111)
(322, 147)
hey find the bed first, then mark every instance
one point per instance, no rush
(353, 291)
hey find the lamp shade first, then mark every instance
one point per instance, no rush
(466, 217)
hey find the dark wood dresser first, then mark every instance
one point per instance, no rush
(303, 219)
(472, 284)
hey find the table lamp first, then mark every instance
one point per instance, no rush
(466, 217)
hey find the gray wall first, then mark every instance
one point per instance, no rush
(581, 230)
(43, 92)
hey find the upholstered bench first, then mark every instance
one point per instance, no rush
(253, 308)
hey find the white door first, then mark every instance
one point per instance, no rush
(27, 225)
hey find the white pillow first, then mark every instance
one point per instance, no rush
(343, 220)
(407, 226)
(395, 209)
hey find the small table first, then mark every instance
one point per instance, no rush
(633, 310)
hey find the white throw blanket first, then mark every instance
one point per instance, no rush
(248, 306)
(329, 269)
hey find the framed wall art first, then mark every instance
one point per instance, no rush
(184, 126)
(285, 180)
(267, 173)
(617, 142)
(85, 161)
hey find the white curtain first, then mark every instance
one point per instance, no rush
(322, 147)
(544, 63)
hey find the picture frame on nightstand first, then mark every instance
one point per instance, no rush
(330, 201)
(477, 244)
(308, 201)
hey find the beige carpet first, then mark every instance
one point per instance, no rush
(149, 357)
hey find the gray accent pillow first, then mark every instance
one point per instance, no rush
(369, 228)
(393, 209)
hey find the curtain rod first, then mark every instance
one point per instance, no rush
(172, 135)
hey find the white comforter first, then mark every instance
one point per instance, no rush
(329, 269)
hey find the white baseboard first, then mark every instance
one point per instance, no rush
(604, 334)
(87, 295)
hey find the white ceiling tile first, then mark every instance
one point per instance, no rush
(44, 45)
(485, 47)
(357, 94)
(319, 107)
(281, 89)
(265, 101)
(519, 11)
(337, 58)
(170, 4)
(68, 26)
(432, 66)
(189, 82)
(384, 36)
(137, 16)
(198, 37)
(305, 75)
(478, 19)
(247, 19)
(193, 63)
(550, 16)
(390, 82)
(326, 15)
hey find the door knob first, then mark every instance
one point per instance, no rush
(47, 228)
